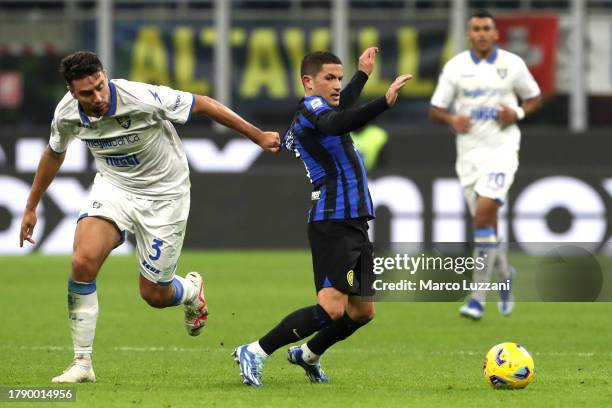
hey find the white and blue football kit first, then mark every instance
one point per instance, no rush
(142, 183)
(487, 156)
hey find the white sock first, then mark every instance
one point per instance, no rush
(485, 246)
(254, 347)
(83, 315)
(502, 265)
(189, 292)
(308, 356)
(83, 359)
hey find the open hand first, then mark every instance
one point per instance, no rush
(395, 87)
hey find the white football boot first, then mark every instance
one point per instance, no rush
(473, 309)
(196, 311)
(81, 370)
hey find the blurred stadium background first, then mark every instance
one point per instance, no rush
(247, 54)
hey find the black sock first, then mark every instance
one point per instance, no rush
(335, 332)
(295, 326)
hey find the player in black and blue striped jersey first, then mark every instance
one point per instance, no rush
(342, 253)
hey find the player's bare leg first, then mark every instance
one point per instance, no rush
(485, 246)
(188, 291)
(93, 241)
(486, 212)
(158, 296)
(360, 309)
(333, 301)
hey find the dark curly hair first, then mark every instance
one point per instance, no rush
(79, 65)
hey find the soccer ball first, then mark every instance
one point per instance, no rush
(508, 366)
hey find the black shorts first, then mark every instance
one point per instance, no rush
(342, 256)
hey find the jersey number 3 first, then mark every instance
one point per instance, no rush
(157, 243)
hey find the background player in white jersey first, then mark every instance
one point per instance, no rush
(477, 95)
(142, 187)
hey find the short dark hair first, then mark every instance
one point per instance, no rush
(481, 14)
(79, 65)
(313, 62)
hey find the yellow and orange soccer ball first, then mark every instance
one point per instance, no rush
(508, 366)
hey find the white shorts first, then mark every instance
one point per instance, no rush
(491, 177)
(159, 226)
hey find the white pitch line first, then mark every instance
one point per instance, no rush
(119, 348)
(156, 349)
(546, 353)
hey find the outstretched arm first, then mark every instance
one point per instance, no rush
(49, 165)
(207, 106)
(338, 123)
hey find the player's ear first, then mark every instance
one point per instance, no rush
(307, 82)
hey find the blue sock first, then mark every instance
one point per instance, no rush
(178, 291)
(485, 238)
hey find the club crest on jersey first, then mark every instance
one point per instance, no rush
(502, 72)
(124, 121)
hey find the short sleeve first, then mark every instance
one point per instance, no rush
(525, 85)
(175, 106)
(445, 90)
(60, 137)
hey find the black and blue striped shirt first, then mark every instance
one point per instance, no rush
(319, 136)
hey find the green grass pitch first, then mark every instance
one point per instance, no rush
(412, 354)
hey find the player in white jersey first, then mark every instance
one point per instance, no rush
(478, 95)
(142, 187)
